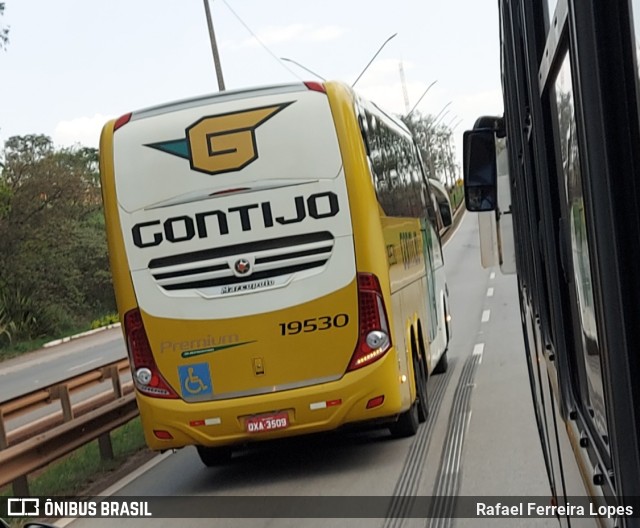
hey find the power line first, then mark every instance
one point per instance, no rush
(260, 42)
(303, 67)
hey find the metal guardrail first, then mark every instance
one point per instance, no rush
(65, 425)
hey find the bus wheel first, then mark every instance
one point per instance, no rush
(407, 424)
(421, 389)
(442, 365)
(409, 421)
(214, 456)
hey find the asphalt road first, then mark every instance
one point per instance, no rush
(480, 438)
(47, 366)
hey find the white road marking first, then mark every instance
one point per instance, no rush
(478, 350)
(63, 523)
(85, 364)
(490, 292)
(493, 275)
(486, 315)
(135, 474)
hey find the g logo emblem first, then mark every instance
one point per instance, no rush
(221, 143)
(242, 266)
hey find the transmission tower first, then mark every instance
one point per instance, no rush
(404, 89)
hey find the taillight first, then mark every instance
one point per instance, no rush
(374, 339)
(315, 86)
(121, 121)
(146, 375)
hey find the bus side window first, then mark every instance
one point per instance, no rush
(590, 387)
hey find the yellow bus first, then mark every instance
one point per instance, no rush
(277, 266)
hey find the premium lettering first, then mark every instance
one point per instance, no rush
(216, 223)
(201, 342)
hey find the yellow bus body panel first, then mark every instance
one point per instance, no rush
(353, 391)
(246, 355)
(373, 232)
(125, 296)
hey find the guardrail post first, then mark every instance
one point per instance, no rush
(4, 443)
(115, 381)
(21, 487)
(106, 447)
(61, 392)
(104, 441)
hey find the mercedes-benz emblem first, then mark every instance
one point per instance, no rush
(242, 266)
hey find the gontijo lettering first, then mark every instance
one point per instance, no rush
(183, 228)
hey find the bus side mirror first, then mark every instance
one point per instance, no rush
(443, 201)
(480, 171)
(445, 213)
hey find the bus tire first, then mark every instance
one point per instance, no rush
(407, 424)
(214, 456)
(421, 390)
(442, 365)
(409, 421)
(421, 376)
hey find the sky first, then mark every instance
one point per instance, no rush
(71, 65)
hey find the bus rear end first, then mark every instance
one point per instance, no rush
(232, 251)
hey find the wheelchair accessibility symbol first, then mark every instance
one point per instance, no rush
(195, 380)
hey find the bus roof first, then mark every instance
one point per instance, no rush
(219, 97)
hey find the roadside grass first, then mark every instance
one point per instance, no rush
(80, 470)
(457, 197)
(11, 351)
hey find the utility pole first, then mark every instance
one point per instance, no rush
(214, 47)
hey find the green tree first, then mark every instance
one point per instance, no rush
(436, 146)
(53, 250)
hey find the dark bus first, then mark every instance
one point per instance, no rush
(557, 178)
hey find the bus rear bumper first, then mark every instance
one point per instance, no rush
(175, 423)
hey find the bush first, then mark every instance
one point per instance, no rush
(106, 320)
(19, 316)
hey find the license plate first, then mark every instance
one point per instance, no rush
(267, 422)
